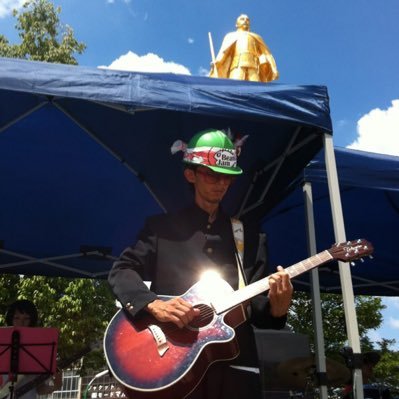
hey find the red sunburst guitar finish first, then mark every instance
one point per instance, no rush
(159, 360)
(155, 360)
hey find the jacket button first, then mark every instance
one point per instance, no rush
(209, 250)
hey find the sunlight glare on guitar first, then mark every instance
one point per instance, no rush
(211, 282)
(210, 275)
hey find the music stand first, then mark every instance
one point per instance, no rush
(27, 350)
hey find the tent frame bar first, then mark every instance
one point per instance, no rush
(113, 153)
(290, 149)
(367, 283)
(344, 269)
(22, 116)
(321, 366)
(49, 261)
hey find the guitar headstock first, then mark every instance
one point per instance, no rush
(351, 250)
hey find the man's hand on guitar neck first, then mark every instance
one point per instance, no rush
(175, 310)
(280, 293)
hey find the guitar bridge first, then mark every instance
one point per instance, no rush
(159, 338)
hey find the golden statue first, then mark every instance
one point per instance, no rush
(244, 56)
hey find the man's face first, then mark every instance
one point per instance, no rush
(21, 319)
(209, 186)
(242, 22)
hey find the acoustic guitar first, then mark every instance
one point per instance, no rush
(155, 360)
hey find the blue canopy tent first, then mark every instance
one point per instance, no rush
(85, 155)
(368, 194)
(369, 190)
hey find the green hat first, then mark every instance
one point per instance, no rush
(213, 149)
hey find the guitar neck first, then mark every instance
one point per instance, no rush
(242, 295)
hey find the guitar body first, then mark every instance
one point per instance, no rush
(154, 360)
(159, 360)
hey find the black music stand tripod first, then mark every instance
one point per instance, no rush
(27, 350)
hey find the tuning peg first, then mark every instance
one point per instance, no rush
(371, 256)
(352, 263)
(362, 260)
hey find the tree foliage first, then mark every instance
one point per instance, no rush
(368, 311)
(369, 317)
(43, 36)
(79, 308)
(387, 369)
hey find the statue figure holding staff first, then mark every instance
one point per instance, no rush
(244, 56)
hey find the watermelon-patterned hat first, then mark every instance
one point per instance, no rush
(211, 148)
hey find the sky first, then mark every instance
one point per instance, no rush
(350, 46)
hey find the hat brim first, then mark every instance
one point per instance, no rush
(227, 171)
(236, 170)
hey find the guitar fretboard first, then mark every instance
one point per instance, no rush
(235, 298)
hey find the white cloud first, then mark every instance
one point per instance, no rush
(378, 131)
(392, 301)
(190, 40)
(7, 6)
(375, 336)
(113, 1)
(394, 323)
(146, 63)
(342, 123)
(203, 71)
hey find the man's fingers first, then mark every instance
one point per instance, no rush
(279, 282)
(180, 312)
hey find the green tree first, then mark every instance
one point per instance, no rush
(369, 317)
(387, 369)
(79, 308)
(368, 311)
(43, 37)
(6, 49)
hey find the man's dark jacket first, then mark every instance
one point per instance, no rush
(173, 250)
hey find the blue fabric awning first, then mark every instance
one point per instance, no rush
(85, 155)
(369, 189)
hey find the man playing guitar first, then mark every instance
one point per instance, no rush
(173, 250)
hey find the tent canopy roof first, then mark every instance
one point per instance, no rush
(369, 189)
(85, 155)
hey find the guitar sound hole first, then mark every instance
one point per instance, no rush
(205, 317)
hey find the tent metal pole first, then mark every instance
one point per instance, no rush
(315, 293)
(344, 269)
